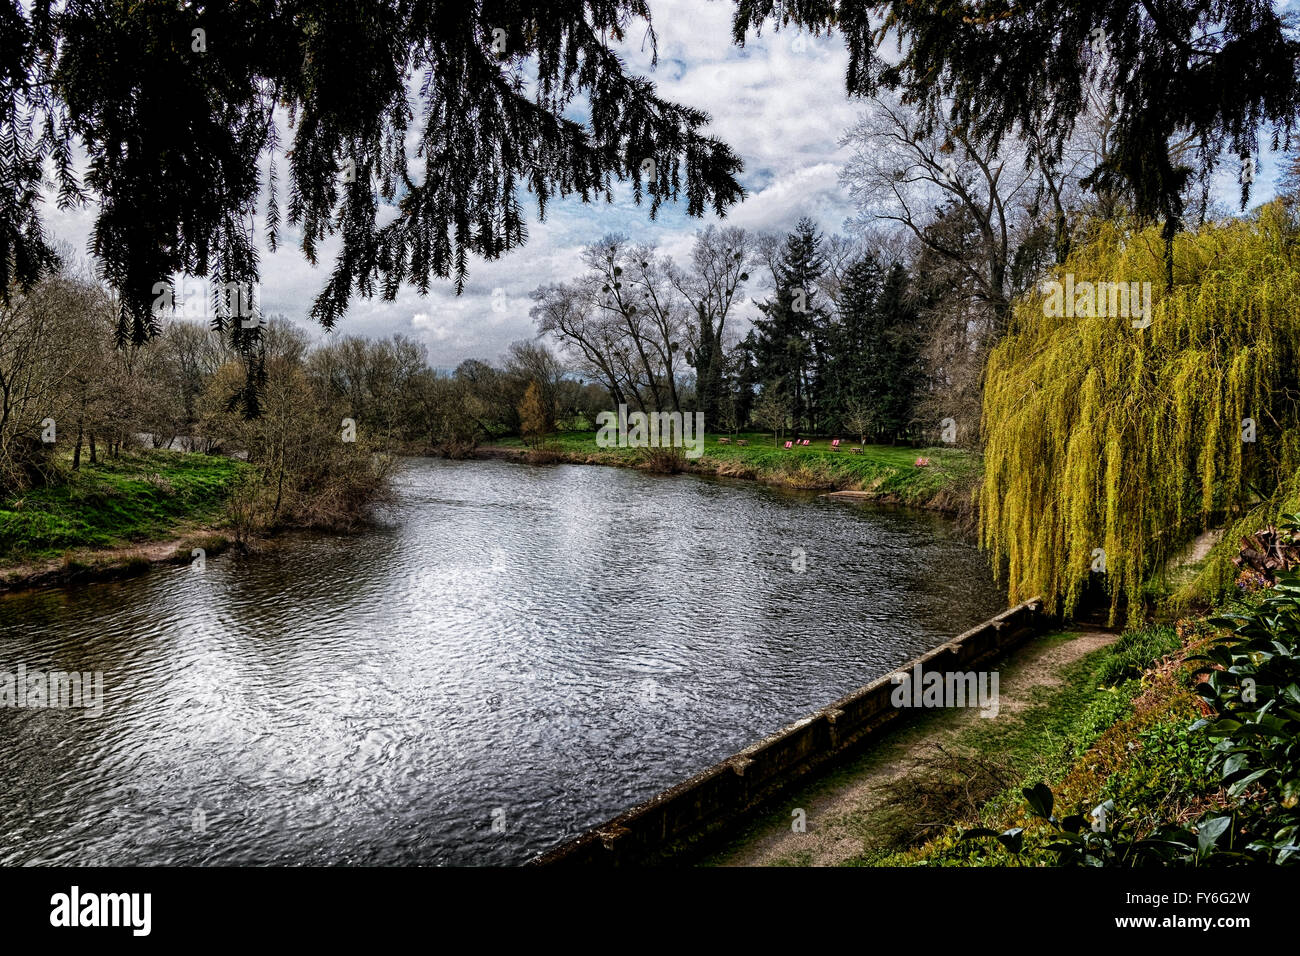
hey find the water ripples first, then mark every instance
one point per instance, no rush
(521, 652)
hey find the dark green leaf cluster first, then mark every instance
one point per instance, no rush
(1103, 838)
(1255, 691)
(1214, 71)
(445, 111)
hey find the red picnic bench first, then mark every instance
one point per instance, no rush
(789, 444)
(835, 445)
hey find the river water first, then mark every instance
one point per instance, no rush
(515, 654)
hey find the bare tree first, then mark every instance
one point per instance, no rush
(629, 287)
(592, 339)
(858, 417)
(623, 322)
(653, 294)
(721, 261)
(52, 341)
(900, 174)
(773, 411)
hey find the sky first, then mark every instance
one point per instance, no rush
(779, 102)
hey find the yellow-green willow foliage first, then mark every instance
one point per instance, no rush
(1102, 435)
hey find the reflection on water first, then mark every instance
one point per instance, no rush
(521, 653)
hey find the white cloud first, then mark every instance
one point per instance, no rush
(779, 102)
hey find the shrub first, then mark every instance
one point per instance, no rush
(663, 461)
(1255, 691)
(1135, 651)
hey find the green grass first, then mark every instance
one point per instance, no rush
(1148, 761)
(136, 497)
(1130, 742)
(1063, 721)
(1041, 742)
(884, 471)
(1135, 651)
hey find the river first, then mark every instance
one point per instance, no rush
(514, 654)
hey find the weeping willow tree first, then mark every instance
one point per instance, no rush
(1113, 435)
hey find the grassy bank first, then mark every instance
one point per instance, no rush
(881, 472)
(1093, 719)
(106, 513)
(1119, 729)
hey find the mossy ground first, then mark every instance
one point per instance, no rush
(137, 497)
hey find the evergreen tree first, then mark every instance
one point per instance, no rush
(875, 366)
(846, 386)
(894, 373)
(176, 107)
(785, 350)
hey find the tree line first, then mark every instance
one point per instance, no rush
(258, 83)
(833, 346)
(331, 414)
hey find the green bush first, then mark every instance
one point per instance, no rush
(1251, 746)
(1255, 691)
(1136, 650)
(1169, 769)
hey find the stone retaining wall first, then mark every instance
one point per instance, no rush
(718, 797)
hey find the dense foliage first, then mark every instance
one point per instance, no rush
(1109, 444)
(178, 105)
(1221, 790)
(1254, 689)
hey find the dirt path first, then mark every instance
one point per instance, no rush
(839, 805)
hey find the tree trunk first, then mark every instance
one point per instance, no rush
(279, 487)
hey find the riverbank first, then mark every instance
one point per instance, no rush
(882, 474)
(117, 518)
(120, 516)
(1094, 715)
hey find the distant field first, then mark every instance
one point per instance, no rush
(884, 471)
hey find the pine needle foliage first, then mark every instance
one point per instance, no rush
(417, 131)
(1102, 435)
